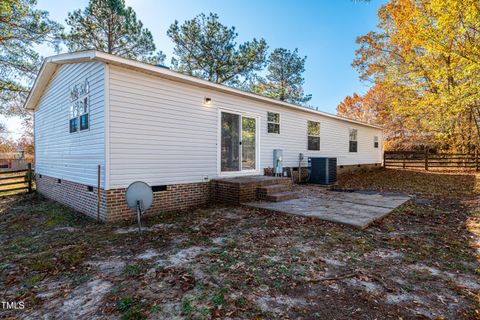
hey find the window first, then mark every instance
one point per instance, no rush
(353, 140)
(273, 122)
(375, 141)
(79, 107)
(73, 125)
(313, 131)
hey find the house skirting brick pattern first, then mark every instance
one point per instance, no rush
(340, 170)
(112, 202)
(356, 167)
(73, 195)
(176, 197)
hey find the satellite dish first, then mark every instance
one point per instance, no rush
(139, 197)
(139, 191)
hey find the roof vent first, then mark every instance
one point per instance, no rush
(162, 66)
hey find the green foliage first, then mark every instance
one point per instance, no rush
(41, 263)
(130, 309)
(284, 79)
(33, 280)
(155, 309)
(21, 27)
(82, 279)
(74, 256)
(110, 26)
(207, 49)
(125, 304)
(187, 308)
(134, 270)
(218, 299)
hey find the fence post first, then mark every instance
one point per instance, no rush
(404, 157)
(426, 159)
(384, 159)
(98, 193)
(477, 168)
(29, 178)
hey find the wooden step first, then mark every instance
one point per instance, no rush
(281, 196)
(273, 188)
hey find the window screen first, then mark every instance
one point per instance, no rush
(313, 132)
(353, 144)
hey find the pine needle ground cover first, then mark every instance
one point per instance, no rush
(239, 263)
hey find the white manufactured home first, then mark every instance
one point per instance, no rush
(103, 122)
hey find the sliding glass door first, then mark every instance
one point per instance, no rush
(249, 135)
(230, 126)
(238, 147)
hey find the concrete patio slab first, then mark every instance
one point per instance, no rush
(358, 208)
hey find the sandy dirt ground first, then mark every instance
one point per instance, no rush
(240, 263)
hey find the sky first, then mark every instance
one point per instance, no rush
(323, 30)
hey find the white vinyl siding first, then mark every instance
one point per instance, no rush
(161, 131)
(59, 153)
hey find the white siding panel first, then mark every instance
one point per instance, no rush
(59, 153)
(161, 133)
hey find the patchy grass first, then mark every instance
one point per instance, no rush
(134, 270)
(227, 262)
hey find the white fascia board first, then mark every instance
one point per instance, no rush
(48, 68)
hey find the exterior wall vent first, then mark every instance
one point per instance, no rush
(159, 188)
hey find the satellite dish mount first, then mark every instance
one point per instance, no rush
(140, 212)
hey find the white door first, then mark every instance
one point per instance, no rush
(238, 142)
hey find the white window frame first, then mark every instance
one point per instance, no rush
(257, 169)
(315, 136)
(376, 142)
(350, 130)
(77, 107)
(272, 122)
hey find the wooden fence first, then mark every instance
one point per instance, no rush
(426, 160)
(18, 181)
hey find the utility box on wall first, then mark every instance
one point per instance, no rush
(277, 162)
(323, 170)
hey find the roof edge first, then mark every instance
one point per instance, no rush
(91, 55)
(47, 69)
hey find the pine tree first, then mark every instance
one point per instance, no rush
(284, 79)
(110, 26)
(207, 49)
(21, 27)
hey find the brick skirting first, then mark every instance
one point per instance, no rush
(72, 194)
(176, 197)
(112, 203)
(357, 167)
